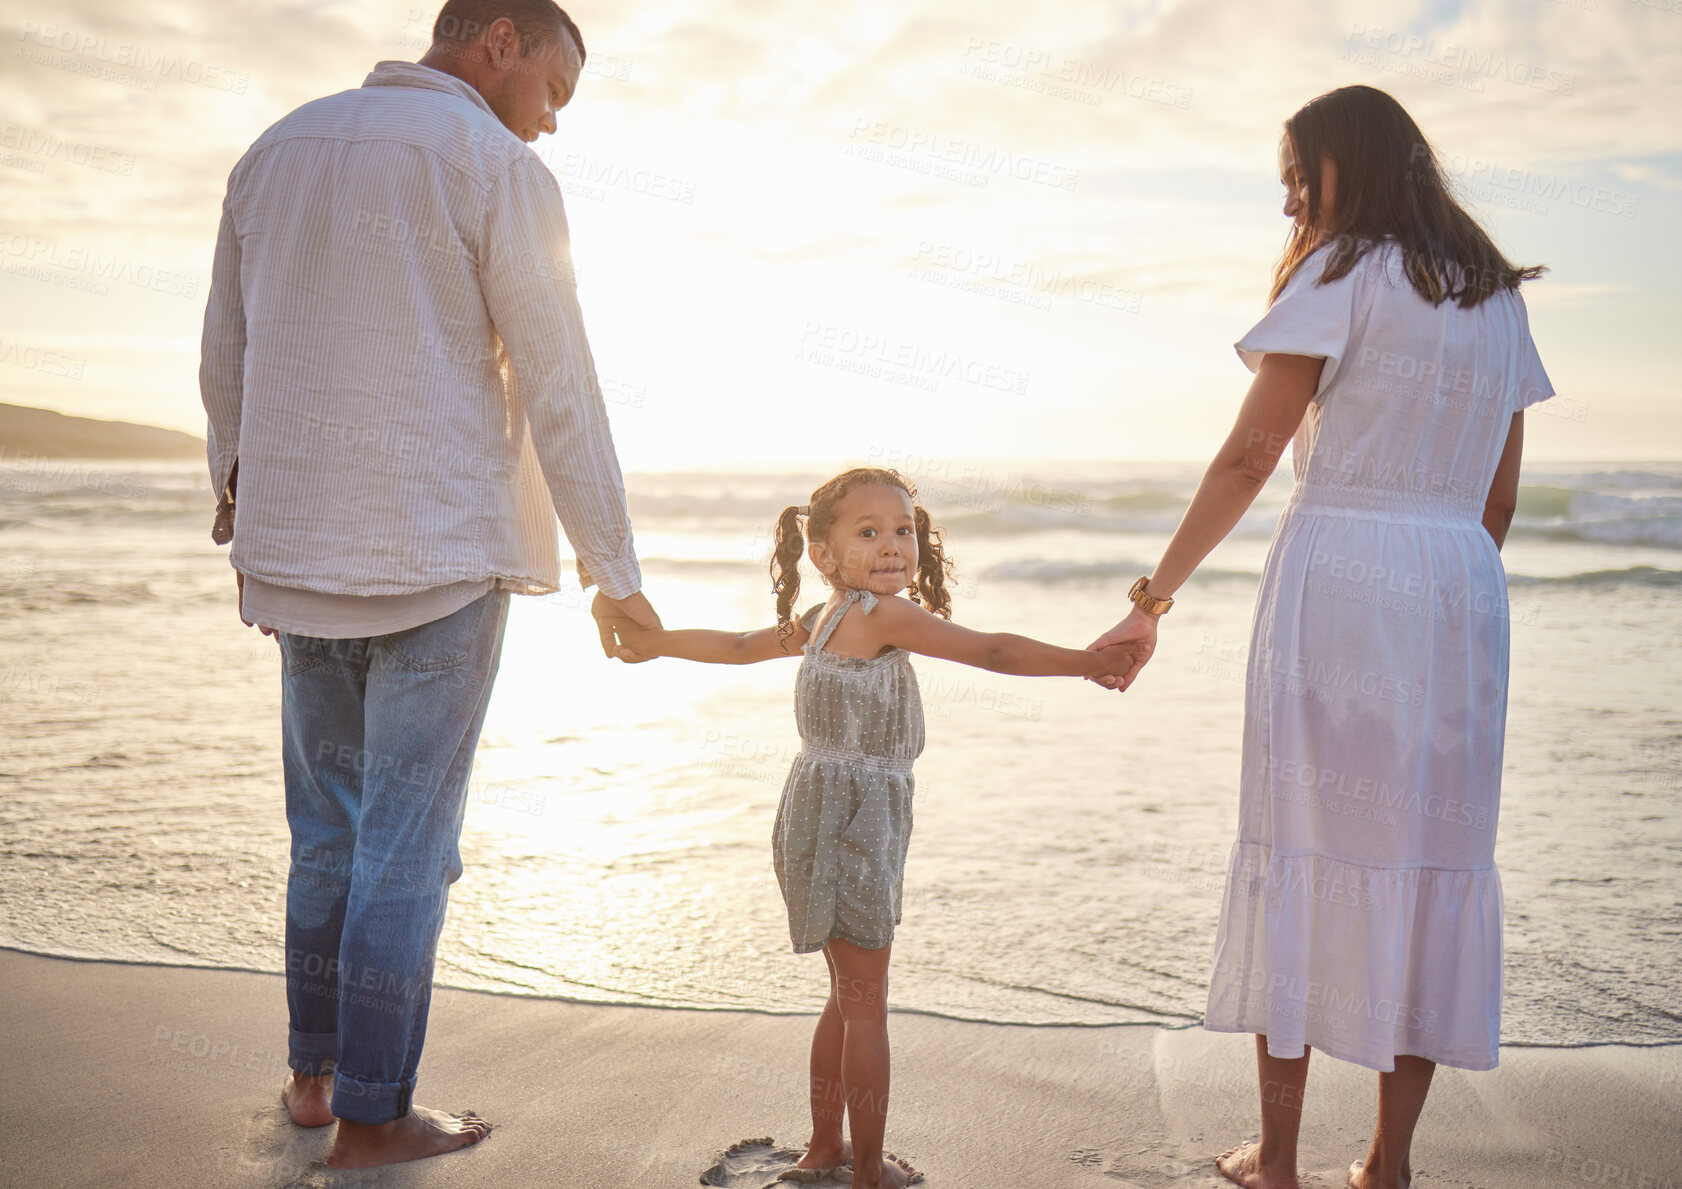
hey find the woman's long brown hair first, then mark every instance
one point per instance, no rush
(1390, 185)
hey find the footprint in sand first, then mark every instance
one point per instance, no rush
(761, 1164)
(1141, 1166)
(274, 1152)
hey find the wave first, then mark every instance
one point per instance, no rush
(1052, 572)
(1636, 506)
(1648, 576)
(1617, 507)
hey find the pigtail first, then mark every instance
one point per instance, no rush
(785, 567)
(934, 568)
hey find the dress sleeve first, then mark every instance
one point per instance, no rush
(1307, 319)
(1532, 385)
(810, 618)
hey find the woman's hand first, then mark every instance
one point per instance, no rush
(1138, 634)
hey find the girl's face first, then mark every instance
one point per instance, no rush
(872, 544)
(1296, 187)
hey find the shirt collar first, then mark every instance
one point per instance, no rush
(413, 74)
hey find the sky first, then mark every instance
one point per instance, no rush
(818, 233)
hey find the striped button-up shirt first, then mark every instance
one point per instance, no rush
(393, 354)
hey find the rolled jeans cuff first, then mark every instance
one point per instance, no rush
(370, 1102)
(311, 1053)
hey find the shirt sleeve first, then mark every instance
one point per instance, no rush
(1308, 318)
(1532, 384)
(222, 372)
(530, 293)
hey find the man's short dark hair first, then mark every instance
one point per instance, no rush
(538, 22)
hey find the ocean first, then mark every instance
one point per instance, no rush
(1070, 843)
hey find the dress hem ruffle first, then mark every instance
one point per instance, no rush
(1362, 963)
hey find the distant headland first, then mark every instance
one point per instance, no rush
(44, 433)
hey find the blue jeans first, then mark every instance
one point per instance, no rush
(378, 736)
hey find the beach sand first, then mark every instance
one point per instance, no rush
(137, 1076)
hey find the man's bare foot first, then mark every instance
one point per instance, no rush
(1242, 1166)
(1359, 1178)
(420, 1133)
(307, 1098)
(895, 1174)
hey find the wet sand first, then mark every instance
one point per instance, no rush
(140, 1076)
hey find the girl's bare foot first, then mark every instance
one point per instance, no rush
(895, 1174)
(420, 1133)
(1242, 1166)
(827, 1155)
(308, 1098)
(1359, 1178)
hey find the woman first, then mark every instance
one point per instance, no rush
(1362, 913)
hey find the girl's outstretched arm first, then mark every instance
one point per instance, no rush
(903, 623)
(717, 648)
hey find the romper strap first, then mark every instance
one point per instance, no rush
(863, 597)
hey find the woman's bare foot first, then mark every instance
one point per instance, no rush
(895, 1174)
(308, 1098)
(1242, 1166)
(1359, 1178)
(420, 1133)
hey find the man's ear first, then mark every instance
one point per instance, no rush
(502, 40)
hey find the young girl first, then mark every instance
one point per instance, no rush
(845, 818)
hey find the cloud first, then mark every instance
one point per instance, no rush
(827, 150)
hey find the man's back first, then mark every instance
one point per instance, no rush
(381, 267)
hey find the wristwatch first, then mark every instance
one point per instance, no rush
(1148, 602)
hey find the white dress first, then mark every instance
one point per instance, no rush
(1362, 914)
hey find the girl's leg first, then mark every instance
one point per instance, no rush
(861, 985)
(1401, 1096)
(1272, 1164)
(827, 1147)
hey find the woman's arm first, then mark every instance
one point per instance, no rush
(901, 623)
(700, 644)
(1498, 509)
(1273, 408)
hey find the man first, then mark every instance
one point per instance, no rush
(401, 395)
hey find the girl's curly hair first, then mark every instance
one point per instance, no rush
(934, 568)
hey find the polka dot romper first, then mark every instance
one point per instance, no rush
(844, 821)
